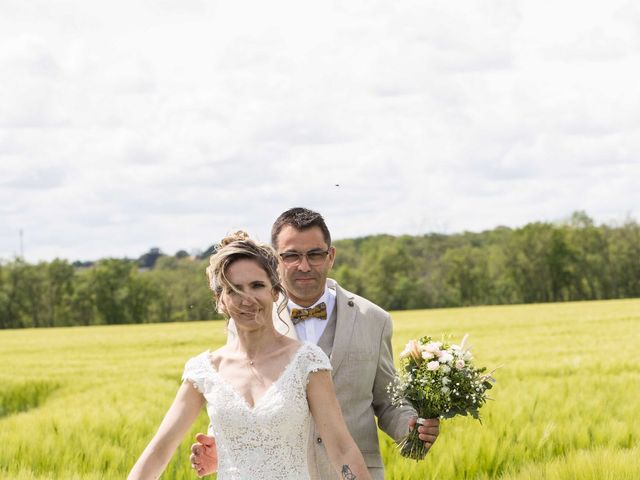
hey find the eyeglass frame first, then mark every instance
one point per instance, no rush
(300, 255)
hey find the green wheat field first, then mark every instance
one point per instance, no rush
(82, 402)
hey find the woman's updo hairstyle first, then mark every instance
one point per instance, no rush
(239, 246)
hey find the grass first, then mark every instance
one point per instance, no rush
(83, 402)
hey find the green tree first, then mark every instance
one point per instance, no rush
(625, 259)
(83, 302)
(467, 272)
(387, 272)
(121, 294)
(59, 292)
(186, 294)
(592, 266)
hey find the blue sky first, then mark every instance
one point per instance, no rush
(129, 125)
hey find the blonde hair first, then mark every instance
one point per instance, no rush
(239, 246)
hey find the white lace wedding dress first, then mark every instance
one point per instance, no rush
(268, 441)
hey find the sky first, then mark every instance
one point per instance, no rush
(126, 125)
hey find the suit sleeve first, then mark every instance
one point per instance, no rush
(391, 419)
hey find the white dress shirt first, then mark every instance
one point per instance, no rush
(311, 329)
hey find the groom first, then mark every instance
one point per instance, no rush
(352, 331)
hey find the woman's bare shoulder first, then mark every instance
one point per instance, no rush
(217, 355)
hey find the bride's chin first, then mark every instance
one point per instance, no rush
(252, 323)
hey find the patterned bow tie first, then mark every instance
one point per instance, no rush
(301, 314)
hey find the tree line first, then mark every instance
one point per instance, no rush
(540, 262)
(107, 292)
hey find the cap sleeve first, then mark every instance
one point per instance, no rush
(315, 360)
(195, 371)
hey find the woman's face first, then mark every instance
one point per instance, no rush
(251, 305)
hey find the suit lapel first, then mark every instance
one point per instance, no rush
(345, 324)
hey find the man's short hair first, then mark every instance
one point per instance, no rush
(300, 219)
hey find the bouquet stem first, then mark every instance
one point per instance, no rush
(412, 447)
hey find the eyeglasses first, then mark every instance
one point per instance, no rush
(314, 257)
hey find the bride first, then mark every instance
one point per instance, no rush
(260, 390)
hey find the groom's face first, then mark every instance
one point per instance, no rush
(303, 281)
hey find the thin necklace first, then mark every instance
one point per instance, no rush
(251, 360)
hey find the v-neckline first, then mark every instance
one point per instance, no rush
(267, 390)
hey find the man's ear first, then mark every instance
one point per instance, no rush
(332, 255)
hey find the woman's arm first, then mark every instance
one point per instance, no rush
(342, 450)
(183, 412)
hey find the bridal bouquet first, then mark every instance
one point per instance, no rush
(438, 380)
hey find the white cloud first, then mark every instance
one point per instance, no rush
(130, 125)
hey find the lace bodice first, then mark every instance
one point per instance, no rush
(269, 440)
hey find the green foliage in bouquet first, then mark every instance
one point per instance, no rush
(440, 381)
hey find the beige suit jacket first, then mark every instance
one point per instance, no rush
(362, 362)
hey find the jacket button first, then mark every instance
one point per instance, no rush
(319, 440)
(350, 303)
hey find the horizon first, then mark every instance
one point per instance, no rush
(195, 251)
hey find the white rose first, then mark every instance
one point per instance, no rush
(459, 364)
(433, 347)
(446, 357)
(433, 366)
(427, 355)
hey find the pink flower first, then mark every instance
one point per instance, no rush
(412, 350)
(427, 355)
(459, 364)
(433, 366)
(433, 347)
